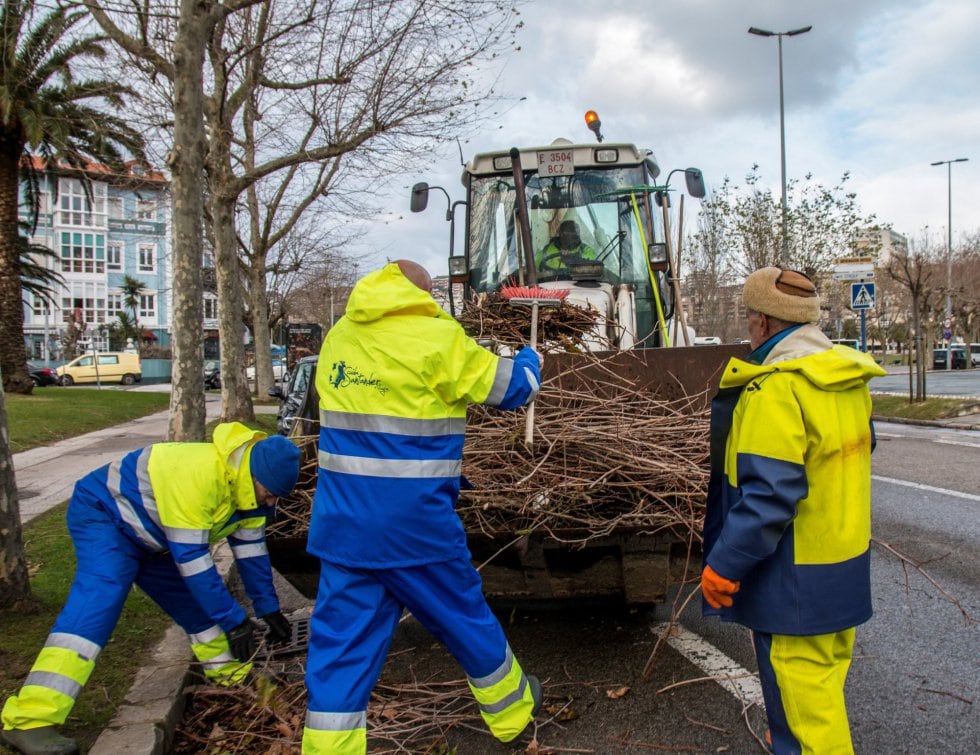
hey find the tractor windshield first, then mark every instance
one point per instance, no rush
(590, 215)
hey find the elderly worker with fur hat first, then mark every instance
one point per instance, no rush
(788, 524)
(149, 520)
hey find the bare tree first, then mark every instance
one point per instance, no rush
(914, 271)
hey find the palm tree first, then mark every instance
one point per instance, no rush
(132, 288)
(46, 113)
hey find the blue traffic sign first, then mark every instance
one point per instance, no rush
(862, 295)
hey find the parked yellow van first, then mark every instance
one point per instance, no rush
(103, 366)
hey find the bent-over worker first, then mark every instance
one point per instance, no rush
(150, 520)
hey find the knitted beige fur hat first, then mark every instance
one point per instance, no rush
(784, 294)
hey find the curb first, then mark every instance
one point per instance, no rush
(929, 422)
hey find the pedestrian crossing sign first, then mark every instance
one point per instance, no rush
(862, 295)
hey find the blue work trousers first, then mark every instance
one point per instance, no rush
(109, 563)
(357, 611)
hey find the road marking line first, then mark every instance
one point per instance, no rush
(879, 434)
(928, 488)
(738, 680)
(956, 443)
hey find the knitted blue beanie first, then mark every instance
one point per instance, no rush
(275, 463)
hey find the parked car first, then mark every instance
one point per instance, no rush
(212, 375)
(939, 358)
(103, 366)
(279, 373)
(41, 376)
(299, 398)
(975, 354)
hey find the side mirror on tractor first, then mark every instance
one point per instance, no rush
(420, 196)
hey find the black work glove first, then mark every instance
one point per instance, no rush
(280, 630)
(241, 640)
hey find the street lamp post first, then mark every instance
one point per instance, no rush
(949, 252)
(782, 124)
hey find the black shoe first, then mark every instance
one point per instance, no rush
(536, 695)
(44, 740)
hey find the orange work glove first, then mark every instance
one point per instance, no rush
(716, 589)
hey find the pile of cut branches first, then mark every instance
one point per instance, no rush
(491, 317)
(624, 460)
(606, 456)
(267, 717)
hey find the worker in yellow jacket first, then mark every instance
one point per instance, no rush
(395, 376)
(788, 525)
(149, 520)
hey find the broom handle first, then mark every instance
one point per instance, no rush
(529, 422)
(520, 199)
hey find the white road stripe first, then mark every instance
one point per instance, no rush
(956, 443)
(928, 488)
(735, 678)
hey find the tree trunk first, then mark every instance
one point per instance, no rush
(15, 589)
(259, 305)
(187, 411)
(13, 356)
(236, 399)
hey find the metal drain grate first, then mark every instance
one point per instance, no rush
(301, 637)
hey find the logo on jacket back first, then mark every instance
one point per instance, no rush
(342, 375)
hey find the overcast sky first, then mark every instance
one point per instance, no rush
(879, 88)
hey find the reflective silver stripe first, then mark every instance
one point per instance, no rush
(86, 649)
(57, 682)
(248, 533)
(146, 489)
(196, 566)
(336, 721)
(208, 635)
(249, 551)
(379, 423)
(535, 386)
(218, 661)
(513, 697)
(186, 536)
(401, 468)
(497, 675)
(126, 510)
(505, 369)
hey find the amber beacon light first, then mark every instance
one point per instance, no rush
(594, 124)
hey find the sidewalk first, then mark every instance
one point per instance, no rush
(46, 474)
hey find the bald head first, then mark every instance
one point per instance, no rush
(417, 274)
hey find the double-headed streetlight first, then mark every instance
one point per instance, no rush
(949, 246)
(782, 127)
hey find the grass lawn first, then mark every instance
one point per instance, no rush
(931, 408)
(51, 563)
(52, 414)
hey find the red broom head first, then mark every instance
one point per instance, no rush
(533, 292)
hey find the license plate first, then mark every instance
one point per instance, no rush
(556, 162)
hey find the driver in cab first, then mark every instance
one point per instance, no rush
(564, 248)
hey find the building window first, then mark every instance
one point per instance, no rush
(148, 306)
(115, 205)
(113, 305)
(78, 208)
(82, 252)
(87, 298)
(146, 210)
(147, 253)
(40, 306)
(114, 256)
(210, 308)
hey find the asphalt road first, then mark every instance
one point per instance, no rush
(939, 383)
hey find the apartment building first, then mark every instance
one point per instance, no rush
(116, 225)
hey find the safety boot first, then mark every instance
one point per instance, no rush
(44, 740)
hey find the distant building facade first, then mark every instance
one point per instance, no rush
(117, 225)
